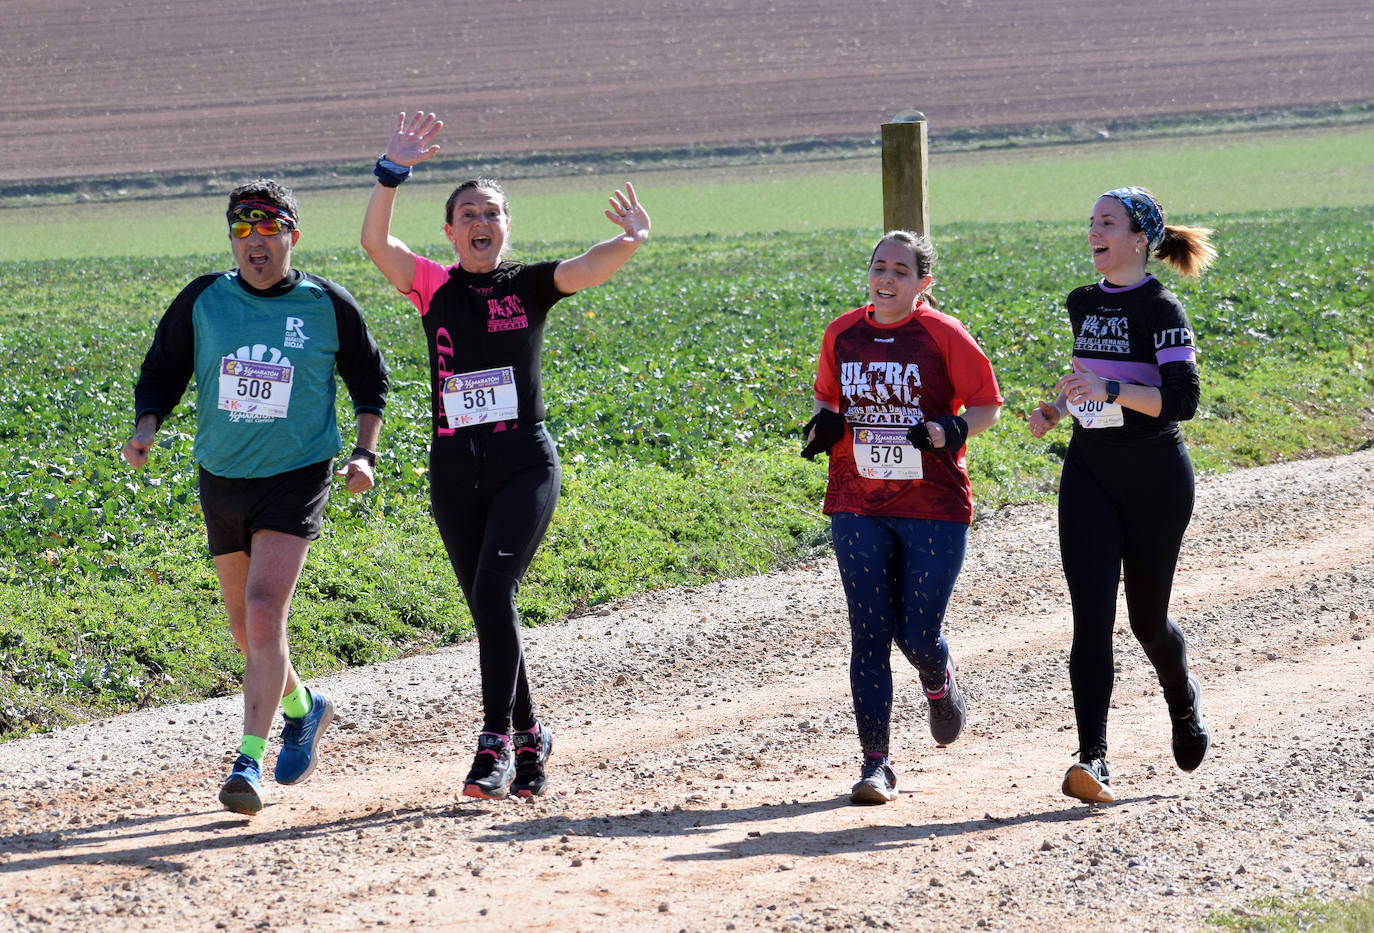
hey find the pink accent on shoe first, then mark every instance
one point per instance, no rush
(939, 694)
(505, 743)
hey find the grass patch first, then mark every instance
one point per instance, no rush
(1277, 915)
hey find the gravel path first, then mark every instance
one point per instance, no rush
(705, 747)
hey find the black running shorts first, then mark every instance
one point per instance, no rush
(292, 503)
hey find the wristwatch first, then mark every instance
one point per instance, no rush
(1113, 390)
(369, 455)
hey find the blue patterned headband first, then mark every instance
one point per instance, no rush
(1144, 211)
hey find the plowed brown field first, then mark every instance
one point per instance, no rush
(97, 89)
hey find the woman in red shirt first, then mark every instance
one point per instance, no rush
(892, 379)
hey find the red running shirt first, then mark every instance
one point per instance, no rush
(921, 367)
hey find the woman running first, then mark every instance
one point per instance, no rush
(1126, 491)
(494, 472)
(892, 378)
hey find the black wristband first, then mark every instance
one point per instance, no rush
(389, 173)
(363, 453)
(956, 432)
(829, 427)
(919, 435)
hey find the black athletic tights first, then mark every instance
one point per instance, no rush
(493, 496)
(1122, 511)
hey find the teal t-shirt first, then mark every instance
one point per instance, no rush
(264, 369)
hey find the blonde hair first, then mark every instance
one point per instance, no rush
(1186, 250)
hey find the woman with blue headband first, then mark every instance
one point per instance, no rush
(1126, 491)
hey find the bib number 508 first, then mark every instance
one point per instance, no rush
(254, 388)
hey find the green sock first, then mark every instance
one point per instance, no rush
(253, 747)
(296, 703)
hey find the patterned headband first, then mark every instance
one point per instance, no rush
(258, 209)
(1144, 211)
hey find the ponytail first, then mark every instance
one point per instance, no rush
(1186, 250)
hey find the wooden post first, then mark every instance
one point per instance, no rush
(906, 192)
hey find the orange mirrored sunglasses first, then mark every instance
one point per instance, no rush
(267, 227)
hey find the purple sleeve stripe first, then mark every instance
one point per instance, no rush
(1177, 355)
(1141, 374)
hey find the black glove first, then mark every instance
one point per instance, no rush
(956, 433)
(829, 427)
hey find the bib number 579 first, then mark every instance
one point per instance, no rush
(880, 454)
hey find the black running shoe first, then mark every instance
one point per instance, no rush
(947, 712)
(1088, 780)
(493, 768)
(1191, 738)
(531, 751)
(877, 781)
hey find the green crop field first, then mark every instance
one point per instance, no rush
(1200, 175)
(675, 392)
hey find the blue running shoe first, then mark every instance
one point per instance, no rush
(242, 792)
(493, 768)
(531, 751)
(299, 739)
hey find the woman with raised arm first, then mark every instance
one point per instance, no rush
(1126, 491)
(900, 388)
(494, 471)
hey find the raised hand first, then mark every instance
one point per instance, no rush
(629, 214)
(413, 142)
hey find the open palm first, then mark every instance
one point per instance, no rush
(413, 142)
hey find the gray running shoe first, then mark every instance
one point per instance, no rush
(877, 781)
(947, 712)
(493, 768)
(531, 752)
(1191, 738)
(1088, 780)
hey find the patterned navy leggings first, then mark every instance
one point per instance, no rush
(898, 574)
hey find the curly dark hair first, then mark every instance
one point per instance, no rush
(266, 189)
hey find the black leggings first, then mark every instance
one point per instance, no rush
(1122, 511)
(493, 496)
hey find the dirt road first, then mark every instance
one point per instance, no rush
(705, 748)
